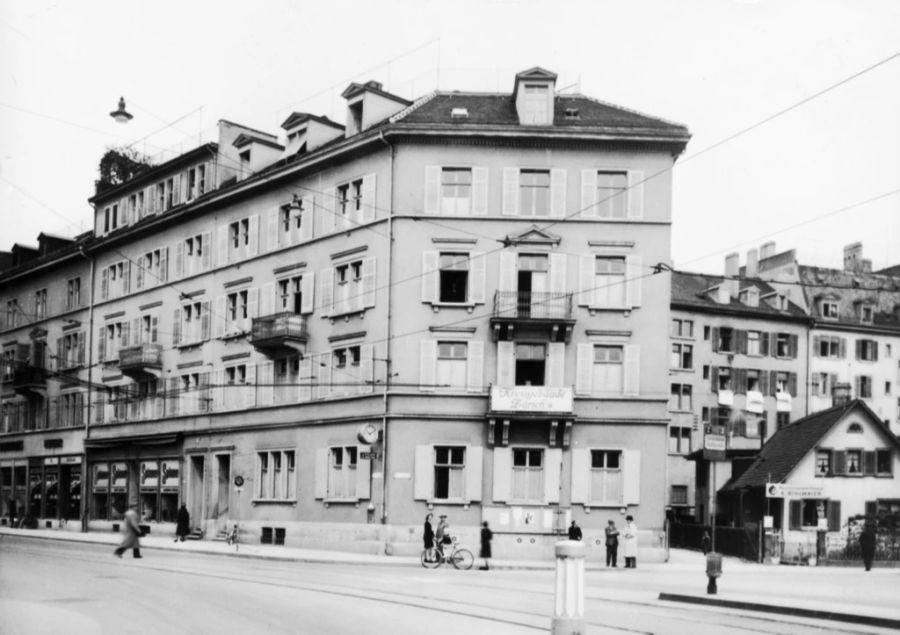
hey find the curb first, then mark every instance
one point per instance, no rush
(868, 620)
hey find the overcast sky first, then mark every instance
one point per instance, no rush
(716, 66)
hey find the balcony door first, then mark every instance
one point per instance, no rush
(532, 285)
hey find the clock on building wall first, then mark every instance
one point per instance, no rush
(367, 433)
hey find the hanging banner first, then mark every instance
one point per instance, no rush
(119, 477)
(149, 475)
(170, 475)
(101, 477)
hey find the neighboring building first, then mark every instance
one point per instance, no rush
(738, 362)
(442, 304)
(828, 468)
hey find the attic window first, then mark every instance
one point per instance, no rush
(866, 313)
(855, 428)
(459, 113)
(573, 113)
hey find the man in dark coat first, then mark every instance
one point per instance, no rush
(574, 531)
(486, 536)
(867, 545)
(612, 544)
(183, 523)
(132, 533)
(428, 538)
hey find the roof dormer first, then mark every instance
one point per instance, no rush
(367, 104)
(306, 132)
(255, 151)
(533, 95)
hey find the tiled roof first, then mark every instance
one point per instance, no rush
(692, 289)
(849, 289)
(500, 110)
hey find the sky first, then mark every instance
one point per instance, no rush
(821, 175)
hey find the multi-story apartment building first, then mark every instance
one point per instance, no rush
(443, 304)
(738, 363)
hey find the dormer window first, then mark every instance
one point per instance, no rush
(356, 115)
(866, 313)
(829, 309)
(573, 113)
(535, 104)
(459, 113)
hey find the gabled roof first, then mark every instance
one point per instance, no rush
(373, 87)
(246, 139)
(534, 235)
(297, 118)
(691, 290)
(781, 453)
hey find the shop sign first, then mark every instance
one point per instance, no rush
(51, 460)
(783, 401)
(149, 475)
(368, 456)
(170, 475)
(531, 399)
(714, 442)
(70, 460)
(119, 477)
(780, 490)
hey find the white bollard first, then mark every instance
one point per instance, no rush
(568, 610)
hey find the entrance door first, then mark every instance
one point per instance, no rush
(223, 484)
(196, 479)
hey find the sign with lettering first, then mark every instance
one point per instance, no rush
(714, 442)
(169, 473)
(780, 490)
(368, 456)
(531, 399)
(101, 477)
(119, 475)
(149, 475)
(783, 401)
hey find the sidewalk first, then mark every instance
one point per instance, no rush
(844, 594)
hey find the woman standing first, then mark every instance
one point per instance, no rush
(428, 538)
(630, 535)
(486, 536)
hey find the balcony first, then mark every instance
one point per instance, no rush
(547, 410)
(535, 313)
(28, 380)
(141, 362)
(281, 333)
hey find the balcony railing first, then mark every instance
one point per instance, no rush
(280, 331)
(532, 305)
(27, 379)
(142, 356)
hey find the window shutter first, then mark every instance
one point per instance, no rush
(104, 285)
(206, 256)
(139, 276)
(796, 515)
(329, 211)
(179, 259)
(581, 471)
(764, 382)
(423, 472)
(773, 382)
(794, 343)
(427, 364)
(635, 194)
(81, 341)
(432, 189)
(326, 290)
(477, 275)
(817, 342)
(307, 220)
(253, 237)
(763, 343)
(369, 208)
(740, 380)
(267, 299)
(320, 489)
(714, 338)
(792, 384)
(507, 279)
(366, 368)
(840, 462)
(126, 277)
(430, 276)
(506, 364)
(368, 282)
(163, 264)
(222, 247)
(834, 515)
(871, 508)
(842, 348)
(173, 396)
(502, 474)
(552, 466)
(586, 291)
(479, 191)
(252, 307)
(474, 460)
(305, 379)
(510, 191)
(176, 328)
(635, 273)
(475, 368)
(557, 193)
(218, 390)
(874, 350)
(220, 317)
(558, 273)
(363, 473)
(266, 384)
(137, 334)
(740, 340)
(631, 487)
(250, 388)
(556, 364)
(632, 380)
(323, 376)
(584, 367)
(273, 230)
(858, 347)
(205, 317)
(869, 462)
(589, 193)
(307, 289)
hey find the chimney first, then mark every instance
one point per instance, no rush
(853, 257)
(731, 283)
(840, 394)
(767, 250)
(752, 268)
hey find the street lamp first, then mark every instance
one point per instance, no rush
(120, 114)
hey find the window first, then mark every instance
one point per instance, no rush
(823, 462)
(12, 313)
(864, 387)
(806, 513)
(822, 384)
(196, 181)
(148, 330)
(40, 304)
(725, 341)
(276, 475)
(609, 281)
(454, 277)
(348, 286)
(170, 193)
(608, 371)
(854, 461)
(349, 204)
(346, 372)
(239, 234)
(456, 191)
(111, 340)
(887, 388)
(189, 393)
(239, 386)
(883, 461)
(115, 280)
(237, 311)
(195, 257)
(682, 328)
(679, 440)
(782, 419)
(535, 105)
(723, 379)
(160, 196)
(534, 192)
(449, 471)
(680, 399)
(867, 350)
(287, 377)
(71, 353)
(191, 323)
(451, 364)
(783, 346)
(110, 218)
(71, 409)
(73, 293)
(828, 346)
(530, 364)
(754, 383)
(527, 475)
(612, 198)
(679, 495)
(290, 295)
(829, 310)
(606, 477)
(295, 221)
(342, 473)
(783, 382)
(753, 343)
(152, 268)
(682, 356)
(866, 313)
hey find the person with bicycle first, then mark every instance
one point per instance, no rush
(442, 536)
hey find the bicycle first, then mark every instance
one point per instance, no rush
(460, 558)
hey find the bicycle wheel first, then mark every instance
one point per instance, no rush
(429, 564)
(462, 559)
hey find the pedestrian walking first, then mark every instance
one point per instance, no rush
(631, 538)
(183, 523)
(706, 543)
(867, 544)
(132, 531)
(574, 531)
(428, 538)
(486, 536)
(612, 544)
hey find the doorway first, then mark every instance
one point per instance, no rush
(532, 285)
(223, 463)
(197, 481)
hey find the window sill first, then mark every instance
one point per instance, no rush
(274, 501)
(437, 306)
(234, 335)
(626, 310)
(448, 502)
(681, 370)
(602, 505)
(340, 501)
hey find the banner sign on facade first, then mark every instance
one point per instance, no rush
(780, 490)
(783, 401)
(755, 402)
(531, 399)
(170, 474)
(119, 476)
(101, 477)
(149, 475)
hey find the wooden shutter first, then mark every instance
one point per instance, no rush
(427, 364)
(773, 382)
(507, 279)
(763, 343)
(369, 207)
(581, 475)
(179, 259)
(794, 344)
(430, 276)
(506, 364)
(632, 379)
(714, 378)
(253, 236)
(326, 290)
(475, 367)
(502, 474)
(584, 364)
(552, 467)
(273, 228)
(205, 317)
(139, 276)
(104, 284)
(792, 384)
(266, 383)
(218, 390)
(307, 289)
(631, 486)
(556, 364)
(634, 270)
(366, 368)
(126, 277)
(222, 247)
(320, 489)
(250, 388)
(833, 509)
(740, 380)
(474, 461)
(558, 273)
(869, 462)
(305, 379)
(477, 275)
(220, 317)
(267, 299)
(557, 193)
(586, 275)
(432, 189)
(817, 342)
(323, 375)
(510, 191)
(842, 348)
(363, 473)
(307, 218)
(714, 338)
(368, 283)
(81, 345)
(795, 520)
(589, 193)
(635, 194)
(479, 191)
(329, 211)
(423, 472)
(176, 327)
(839, 459)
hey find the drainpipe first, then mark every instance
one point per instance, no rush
(90, 385)
(387, 363)
(809, 330)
